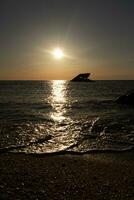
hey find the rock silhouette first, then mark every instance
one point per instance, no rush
(127, 99)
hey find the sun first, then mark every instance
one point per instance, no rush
(58, 53)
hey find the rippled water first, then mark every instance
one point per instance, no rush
(63, 116)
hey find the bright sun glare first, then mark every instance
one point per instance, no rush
(58, 53)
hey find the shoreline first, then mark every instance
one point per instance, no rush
(93, 176)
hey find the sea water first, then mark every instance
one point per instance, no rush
(62, 116)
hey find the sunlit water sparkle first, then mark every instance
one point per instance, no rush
(61, 116)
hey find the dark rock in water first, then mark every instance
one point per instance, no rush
(82, 78)
(126, 99)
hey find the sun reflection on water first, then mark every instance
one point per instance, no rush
(58, 100)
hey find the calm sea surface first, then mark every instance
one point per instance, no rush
(62, 116)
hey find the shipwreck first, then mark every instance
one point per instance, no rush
(82, 78)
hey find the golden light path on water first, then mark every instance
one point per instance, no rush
(56, 135)
(60, 128)
(58, 100)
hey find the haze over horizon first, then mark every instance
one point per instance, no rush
(95, 36)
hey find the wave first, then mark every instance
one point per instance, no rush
(64, 152)
(82, 135)
(25, 105)
(76, 147)
(15, 147)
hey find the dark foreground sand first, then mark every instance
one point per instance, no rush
(93, 176)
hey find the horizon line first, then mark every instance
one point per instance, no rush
(63, 79)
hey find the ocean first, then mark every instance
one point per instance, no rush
(65, 117)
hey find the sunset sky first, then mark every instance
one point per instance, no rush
(95, 36)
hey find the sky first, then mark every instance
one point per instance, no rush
(96, 36)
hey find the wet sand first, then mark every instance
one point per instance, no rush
(95, 176)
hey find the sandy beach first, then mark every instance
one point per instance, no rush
(93, 176)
